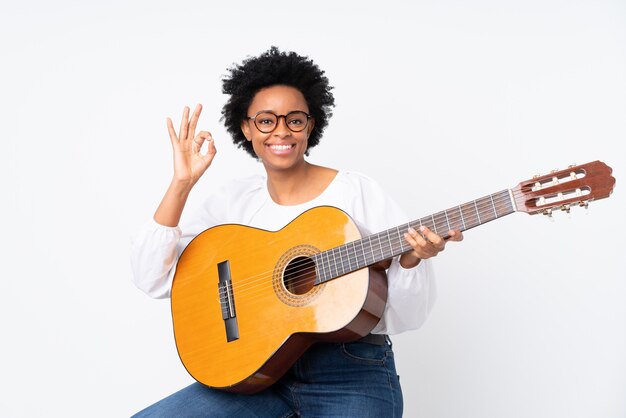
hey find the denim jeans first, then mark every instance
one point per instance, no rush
(330, 380)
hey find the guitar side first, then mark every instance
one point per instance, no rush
(275, 320)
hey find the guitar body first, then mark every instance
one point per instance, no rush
(274, 313)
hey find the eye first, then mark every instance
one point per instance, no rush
(296, 119)
(265, 121)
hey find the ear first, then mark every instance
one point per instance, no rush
(245, 128)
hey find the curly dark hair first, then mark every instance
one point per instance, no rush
(274, 67)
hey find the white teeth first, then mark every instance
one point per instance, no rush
(280, 147)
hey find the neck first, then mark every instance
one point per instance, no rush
(286, 186)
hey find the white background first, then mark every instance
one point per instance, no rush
(440, 101)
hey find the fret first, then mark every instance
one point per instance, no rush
(511, 201)
(320, 264)
(318, 267)
(347, 259)
(389, 242)
(504, 197)
(371, 248)
(445, 212)
(495, 212)
(471, 216)
(343, 269)
(401, 237)
(462, 218)
(318, 272)
(482, 213)
(477, 212)
(363, 251)
(434, 224)
(328, 265)
(457, 219)
(350, 255)
(380, 245)
(333, 263)
(441, 218)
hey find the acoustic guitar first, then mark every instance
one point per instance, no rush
(246, 302)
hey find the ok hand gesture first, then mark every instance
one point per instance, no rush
(189, 162)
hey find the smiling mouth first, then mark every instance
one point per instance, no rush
(281, 147)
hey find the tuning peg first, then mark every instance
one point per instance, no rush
(554, 171)
(572, 165)
(548, 212)
(584, 204)
(565, 208)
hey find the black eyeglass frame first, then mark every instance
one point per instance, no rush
(253, 118)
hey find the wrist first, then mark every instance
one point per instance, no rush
(409, 261)
(181, 187)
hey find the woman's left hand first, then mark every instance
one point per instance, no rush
(425, 244)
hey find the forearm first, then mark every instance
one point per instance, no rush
(171, 207)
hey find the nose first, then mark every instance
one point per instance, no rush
(281, 127)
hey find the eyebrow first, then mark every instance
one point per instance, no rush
(273, 111)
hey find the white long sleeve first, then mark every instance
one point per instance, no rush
(411, 292)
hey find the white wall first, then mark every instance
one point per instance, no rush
(441, 101)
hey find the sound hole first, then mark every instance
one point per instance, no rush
(299, 275)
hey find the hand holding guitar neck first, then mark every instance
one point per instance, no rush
(425, 244)
(189, 165)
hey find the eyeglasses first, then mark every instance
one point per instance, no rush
(266, 121)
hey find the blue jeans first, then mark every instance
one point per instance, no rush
(330, 380)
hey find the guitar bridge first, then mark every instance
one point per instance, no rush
(227, 301)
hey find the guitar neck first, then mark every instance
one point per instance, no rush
(383, 245)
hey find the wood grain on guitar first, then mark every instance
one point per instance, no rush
(246, 303)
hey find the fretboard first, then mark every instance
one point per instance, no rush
(383, 245)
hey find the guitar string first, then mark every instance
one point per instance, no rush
(245, 285)
(485, 201)
(440, 216)
(452, 219)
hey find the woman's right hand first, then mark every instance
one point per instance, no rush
(189, 162)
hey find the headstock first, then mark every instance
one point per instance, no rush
(576, 185)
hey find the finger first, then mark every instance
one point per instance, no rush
(201, 137)
(199, 140)
(210, 152)
(435, 239)
(184, 124)
(194, 121)
(170, 129)
(422, 249)
(454, 235)
(418, 242)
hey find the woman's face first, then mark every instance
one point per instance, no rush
(282, 148)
